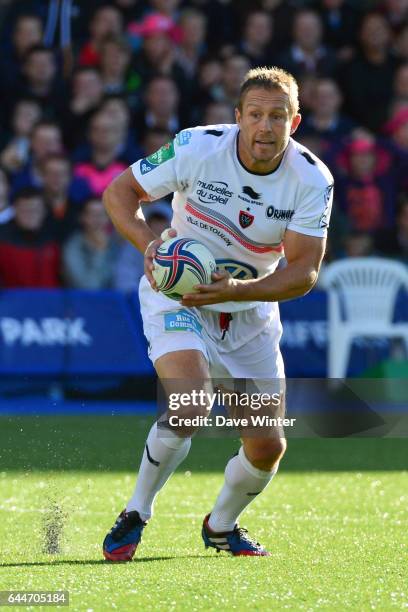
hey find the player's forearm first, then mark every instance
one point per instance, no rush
(295, 280)
(122, 204)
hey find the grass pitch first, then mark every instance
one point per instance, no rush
(335, 520)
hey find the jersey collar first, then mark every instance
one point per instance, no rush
(251, 171)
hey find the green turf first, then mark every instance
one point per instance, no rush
(335, 519)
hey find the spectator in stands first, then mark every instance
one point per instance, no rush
(29, 251)
(396, 12)
(339, 21)
(218, 112)
(107, 142)
(106, 21)
(397, 130)
(166, 7)
(41, 82)
(209, 78)
(256, 40)
(233, 71)
(209, 74)
(325, 123)
(366, 101)
(155, 138)
(115, 54)
(367, 191)
(87, 92)
(6, 211)
(400, 89)
(308, 54)
(46, 139)
(282, 12)
(193, 26)
(118, 110)
(307, 85)
(130, 264)
(27, 32)
(358, 244)
(130, 9)
(160, 110)
(158, 54)
(401, 45)
(14, 155)
(63, 194)
(89, 256)
(394, 243)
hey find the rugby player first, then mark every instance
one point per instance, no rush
(251, 194)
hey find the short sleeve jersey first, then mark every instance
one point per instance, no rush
(239, 215)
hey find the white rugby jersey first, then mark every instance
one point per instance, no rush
(239, 215)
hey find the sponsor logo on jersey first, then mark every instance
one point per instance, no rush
(206, 226)
(250, 196)
(214, 132)
(324, 219)
(245, 219)
(237, 269)
(251, 193)
(213, 192)
(279, 214)
(165, 153)
(327, 193)
(183, 138)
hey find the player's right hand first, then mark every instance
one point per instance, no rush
(150, 254)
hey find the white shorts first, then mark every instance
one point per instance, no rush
(248, 349)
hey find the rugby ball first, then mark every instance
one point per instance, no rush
(180, 264)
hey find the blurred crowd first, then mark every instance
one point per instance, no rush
(87, 88)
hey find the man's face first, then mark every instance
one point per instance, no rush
(118, 111)
(40, 67)
(157, 47)
(307, 30)
(94, 217)
(105, 22)
(154, 140)
(258, 28)
(29, 213)
(26, 114)
(28, 32)
(162, 96)
(46, 140)
(265, 124)
(401, 81)
(88, 84)
(375, 32)
(104, 135)
(234, 71)
(326, 98)
(56, 175)
(114, 60)
(362, 164)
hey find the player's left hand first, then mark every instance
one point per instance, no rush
(224, 288)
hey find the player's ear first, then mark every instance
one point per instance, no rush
(295, 123)
(238, 116)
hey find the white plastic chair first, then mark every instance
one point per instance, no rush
(362, 293)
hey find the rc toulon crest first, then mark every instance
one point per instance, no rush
(245, 219)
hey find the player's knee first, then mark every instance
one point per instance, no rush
(267, 453)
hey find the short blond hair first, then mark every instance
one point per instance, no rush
(271, 78)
